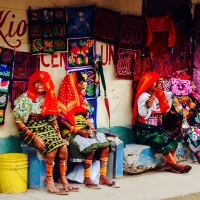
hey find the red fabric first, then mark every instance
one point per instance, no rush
(145, 83)
(50, 106)
(71, 102)
(160, 24)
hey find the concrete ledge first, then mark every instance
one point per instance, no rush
(141, 158)
(36, 169)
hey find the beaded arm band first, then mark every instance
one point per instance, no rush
(29, 133)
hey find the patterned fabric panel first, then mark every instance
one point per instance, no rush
(106, 30)
(80, 52)
(80, 21)
(132, 32)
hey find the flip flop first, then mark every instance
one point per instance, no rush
(186, 169)
(92, 186)
(114, 185)
(61, 192)
(71, 189)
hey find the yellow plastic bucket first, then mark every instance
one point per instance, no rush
(13, 173)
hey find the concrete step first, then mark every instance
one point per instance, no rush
(140, 158)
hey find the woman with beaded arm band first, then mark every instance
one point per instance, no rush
(35, 114)
(85, 143)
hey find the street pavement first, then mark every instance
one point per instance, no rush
(154, 185)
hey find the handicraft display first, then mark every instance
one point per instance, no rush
(80, 21)
(6, 66)
(47, 30)
(80, 53)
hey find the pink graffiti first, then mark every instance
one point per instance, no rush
(13, 28)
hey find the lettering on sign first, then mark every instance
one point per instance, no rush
(10, 28)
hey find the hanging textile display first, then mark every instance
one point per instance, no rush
(6, 65)
(163, 64)
(47, 30)
(160, 34)
(91, 76)
(131, 39)
(196, 70)
(93, 111)
(80, 21)
(106, 30)
(80, 53)
(141, 66)
(25, 64)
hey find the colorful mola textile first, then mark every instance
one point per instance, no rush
(106, 25)
(80, 52)
(25, 65)
(131, 40)
(132, 32)
(92, 78)
(80, 21)
(47, 30)
(157, 25)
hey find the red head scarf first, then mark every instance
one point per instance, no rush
(71, 102)
(145, 83)
(50, 106)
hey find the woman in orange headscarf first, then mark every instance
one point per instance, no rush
(151, 104)
(85, 143)
(35, 115)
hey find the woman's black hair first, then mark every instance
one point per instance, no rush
(80, 77)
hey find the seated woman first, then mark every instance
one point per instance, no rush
(150, 105)
(84, 141)
(35, 115)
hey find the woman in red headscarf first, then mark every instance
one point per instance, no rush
(85, 143)
(35, 115)
(151, 104)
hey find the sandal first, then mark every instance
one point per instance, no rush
(182, 168)
(61, 192)
(186, 169)
(112, 184)
(71, 189)
(172, 170)
(92, 186)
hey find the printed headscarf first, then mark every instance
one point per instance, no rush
(71, 102)
(145, 83)
(50, 106)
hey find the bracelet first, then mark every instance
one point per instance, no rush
(30, 134)
(73, 129)
(151, 100)
(24, 129)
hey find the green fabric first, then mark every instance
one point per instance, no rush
(74, 153)
(46, 132)
(160, 140)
